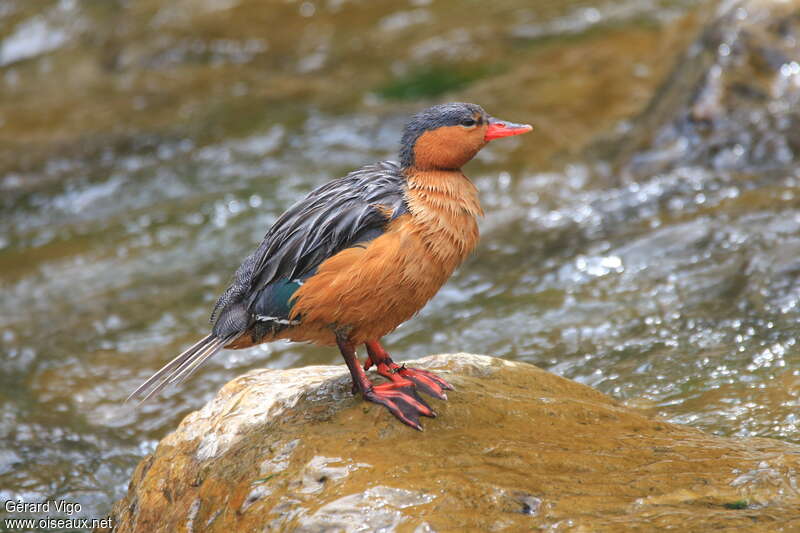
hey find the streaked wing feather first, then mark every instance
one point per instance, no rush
(327, 221)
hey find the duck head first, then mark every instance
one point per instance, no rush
(447, 136)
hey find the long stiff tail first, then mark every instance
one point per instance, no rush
(180, 368)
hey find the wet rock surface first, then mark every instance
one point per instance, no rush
(515, 448)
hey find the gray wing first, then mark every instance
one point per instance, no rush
(335, 216)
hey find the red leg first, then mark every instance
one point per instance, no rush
(399, 396)
(427, 382)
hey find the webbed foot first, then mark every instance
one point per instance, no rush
(425, 381)
(402, 400)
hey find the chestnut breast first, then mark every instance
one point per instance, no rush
(444, 209)
(368, 291)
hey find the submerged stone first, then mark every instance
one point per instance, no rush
(515, 448)
(731, 103)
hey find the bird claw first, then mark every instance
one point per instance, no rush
(402, 400)
(425, 381)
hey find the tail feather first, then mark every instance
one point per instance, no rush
(189, 361)
(191, 365)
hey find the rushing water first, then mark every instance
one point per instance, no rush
(146, 149)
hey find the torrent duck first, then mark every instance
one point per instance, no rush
(359, 256)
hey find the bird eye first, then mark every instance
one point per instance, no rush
(468, 123)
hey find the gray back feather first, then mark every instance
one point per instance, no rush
(332, 217)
